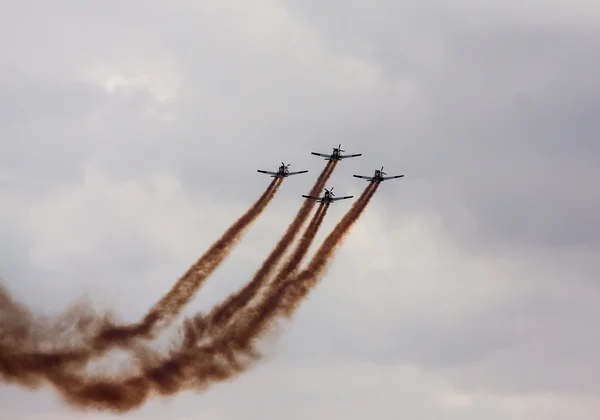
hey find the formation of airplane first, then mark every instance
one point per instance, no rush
(336, 155)
(328, 197)
(282, 172)
(378, 177)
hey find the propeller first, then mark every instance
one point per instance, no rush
(382, 173)
(331, 194)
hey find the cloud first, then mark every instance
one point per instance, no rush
(512, 325)
(130, 139)
(504, 104)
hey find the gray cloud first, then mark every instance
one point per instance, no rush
(505, 107)
(130, 137)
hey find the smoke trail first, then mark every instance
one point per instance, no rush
(293, 262)
(183, 291)
(27, 343)
(196, 363)
(289, 267)
(284, 299)
(194, 366)
(223, 313)
(26, 353)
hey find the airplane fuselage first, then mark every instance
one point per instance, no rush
(336, 155)
(326, 199)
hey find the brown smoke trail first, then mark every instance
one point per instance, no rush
(196, 364)
(223, 313)
(184, 290)
(27, 343)
(293, 262)
(193, 365)
(284, 299)
(25, 359)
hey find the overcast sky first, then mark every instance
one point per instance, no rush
(130, 135)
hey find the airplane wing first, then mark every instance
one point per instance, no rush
(296, 173)
(266, 172)
(350, 156)
(312, 198)
(341, 198)
(392, 177)
(321, 154)
(368, 178)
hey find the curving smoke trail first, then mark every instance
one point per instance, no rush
(164, 311)
(27, 345)
(200, 361)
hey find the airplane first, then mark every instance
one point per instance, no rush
(336, 155)
(378, 177)
(282, 172)
(328, 197)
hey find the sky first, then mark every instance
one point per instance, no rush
(130, 136)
